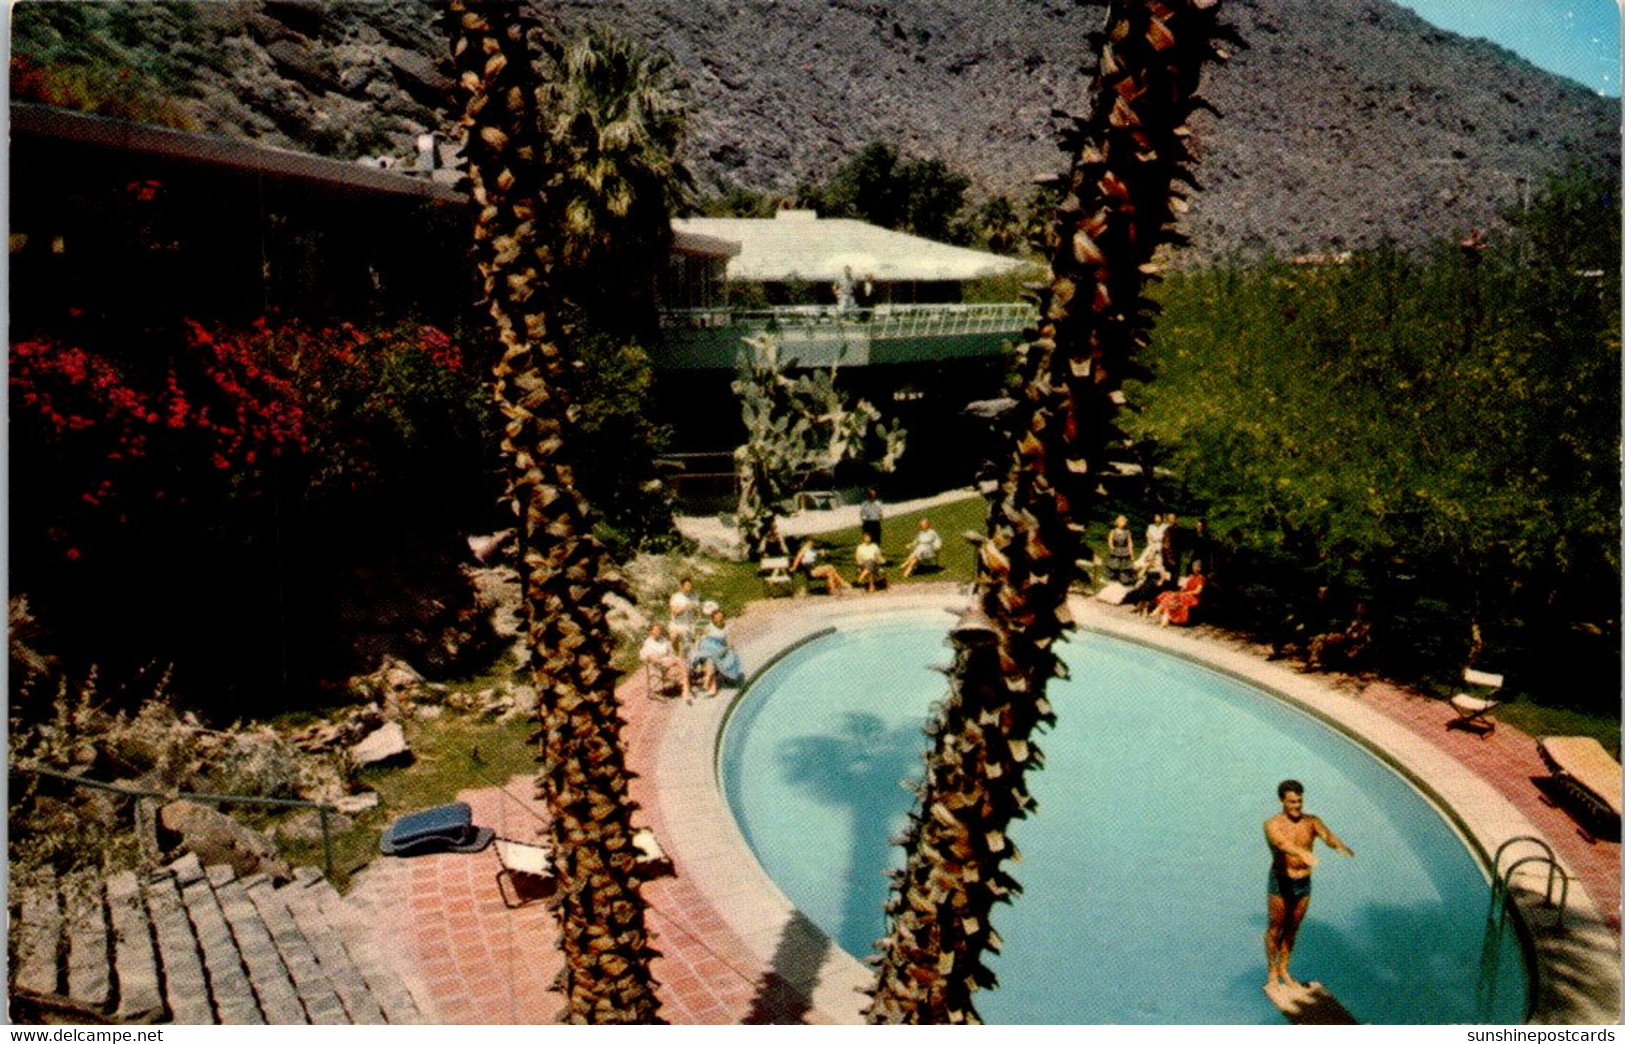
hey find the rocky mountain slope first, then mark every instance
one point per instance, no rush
(1344, 121)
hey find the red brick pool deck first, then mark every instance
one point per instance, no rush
(471, 960)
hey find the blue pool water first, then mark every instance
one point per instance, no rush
(1143, 871)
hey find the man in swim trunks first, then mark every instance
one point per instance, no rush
(1291, 836)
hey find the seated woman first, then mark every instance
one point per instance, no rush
(807, 563)
(716, 659)
(870, 559)
(1174, 607)
(1342, 650)
(667, 670)
(927, 545)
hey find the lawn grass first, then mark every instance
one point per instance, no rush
(1541, 721)
(735, 585)
(451, 753)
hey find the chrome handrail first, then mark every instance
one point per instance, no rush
(1501, 883)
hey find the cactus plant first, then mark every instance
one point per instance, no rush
(796, 427)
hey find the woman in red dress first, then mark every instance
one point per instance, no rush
(1174, 607)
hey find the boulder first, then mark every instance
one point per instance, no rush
(295, 61)
(418, 76)
(215, 838)
(494, 705)
(384, 745)
(484, 547)
(306, 824)
(624, 616)
(353, 804)
(525, 700)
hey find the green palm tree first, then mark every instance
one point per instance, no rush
(1118, 203)
(613, 114)
(565, 573)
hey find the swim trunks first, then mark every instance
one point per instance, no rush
(1290, 889)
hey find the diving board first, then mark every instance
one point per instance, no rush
(1308, 1004)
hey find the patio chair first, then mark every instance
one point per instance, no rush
(661, 681)
(525, 874)
(1583, 769)
(651, 857)
(775, 574)
(1476, 713)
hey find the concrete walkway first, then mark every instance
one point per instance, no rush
(735, 951)
(713, 535)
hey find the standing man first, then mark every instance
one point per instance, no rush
(869, 513)
(1291, 836)
(1173, 548)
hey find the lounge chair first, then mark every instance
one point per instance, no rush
(443, 828)
(526, 872)
(651, 857)
(1476, 713)
(1583, 768)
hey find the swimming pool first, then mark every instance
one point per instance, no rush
(1144, 869)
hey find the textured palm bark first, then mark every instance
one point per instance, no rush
(564, 571)
(1119, 202)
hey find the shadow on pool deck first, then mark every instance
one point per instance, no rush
(782, 996)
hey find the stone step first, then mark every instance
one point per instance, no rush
(321, 1002)
(39, 934)
(394, 1000)
(135, 962)
(267, 974)
(186, 986)
(234, 1000)
(89, 980)
(195, 945)
(359, 1003)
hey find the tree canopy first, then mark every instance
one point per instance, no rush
(1436, 435)
(613, 115)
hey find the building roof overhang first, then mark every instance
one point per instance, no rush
(44, 122)
(799, 245)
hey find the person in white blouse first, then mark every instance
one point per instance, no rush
(685, 614)
(927, 545)
(667, 670)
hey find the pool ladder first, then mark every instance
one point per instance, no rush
(1501, 900)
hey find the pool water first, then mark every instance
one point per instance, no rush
(1143, 870)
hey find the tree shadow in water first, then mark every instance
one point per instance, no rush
(860, 769)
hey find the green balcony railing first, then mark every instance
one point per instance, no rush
(821, 335)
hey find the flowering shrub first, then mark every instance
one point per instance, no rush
(240, 406)
(339, 408)
(80, 403)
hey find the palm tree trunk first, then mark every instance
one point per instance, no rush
(1117, 208)
(565, 573)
